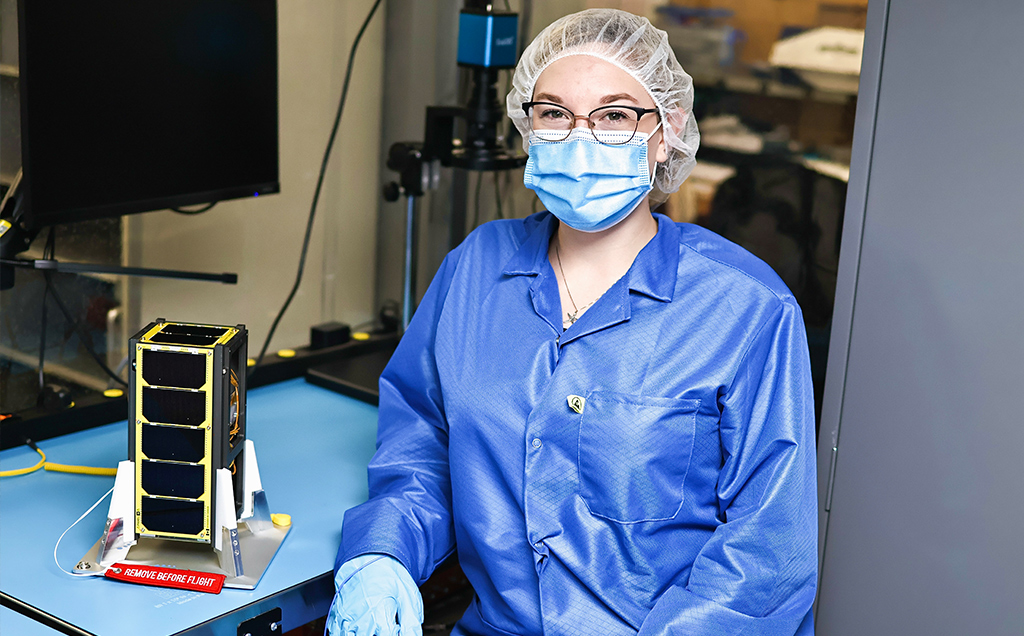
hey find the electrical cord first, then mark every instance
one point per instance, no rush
(319, 182)
(11, 190)
(82, 333)
(30, 469)
(79, 470)
(61, 538)
(385, 322)
(42, 346)
(49, 251)
(118, 370)
(369, 324)
(57, 468)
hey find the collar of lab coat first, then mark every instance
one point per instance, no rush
(653, 273)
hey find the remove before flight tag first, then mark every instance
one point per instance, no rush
(167, 577)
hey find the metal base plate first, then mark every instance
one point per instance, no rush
(258, 551)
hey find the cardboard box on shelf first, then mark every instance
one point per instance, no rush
(763, 20)
(843, 14)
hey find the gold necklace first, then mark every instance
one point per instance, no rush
(570, 318)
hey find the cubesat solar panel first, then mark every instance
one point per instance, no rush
(187, 398)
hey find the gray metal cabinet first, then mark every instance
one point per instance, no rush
(922, 499)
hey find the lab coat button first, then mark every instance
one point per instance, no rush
(536, 442)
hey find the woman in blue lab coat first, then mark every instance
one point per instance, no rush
(609, 415)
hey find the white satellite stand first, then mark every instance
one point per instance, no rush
(241, 549)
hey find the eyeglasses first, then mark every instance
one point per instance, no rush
(553, 119)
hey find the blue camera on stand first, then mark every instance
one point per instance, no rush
(487, 39)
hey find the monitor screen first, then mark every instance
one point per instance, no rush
(137, 105)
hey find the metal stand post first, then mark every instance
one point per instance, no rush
(409, 276)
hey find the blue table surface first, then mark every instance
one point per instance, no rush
(312, 445)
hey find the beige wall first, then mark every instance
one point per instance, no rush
(260, 239)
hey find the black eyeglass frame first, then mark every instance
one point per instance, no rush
(640, 112)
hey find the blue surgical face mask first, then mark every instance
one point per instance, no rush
(590, 186)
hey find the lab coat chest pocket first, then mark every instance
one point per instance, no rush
(634, 453)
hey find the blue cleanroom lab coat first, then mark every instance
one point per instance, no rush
(677, 497)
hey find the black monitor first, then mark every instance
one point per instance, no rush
(136, 105)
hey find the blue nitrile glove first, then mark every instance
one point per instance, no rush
(372, 590)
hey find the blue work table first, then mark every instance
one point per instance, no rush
(313, 446)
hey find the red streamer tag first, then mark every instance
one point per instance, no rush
(167, 577)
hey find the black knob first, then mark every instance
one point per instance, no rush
(391, 191)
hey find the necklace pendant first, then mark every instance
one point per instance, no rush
(571, 318)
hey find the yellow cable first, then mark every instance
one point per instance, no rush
(58, 468)
(80, 470)
(25, 471)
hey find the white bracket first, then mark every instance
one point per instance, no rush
(258, 541)
(225, 536)
(119, 532)
(255, 510)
